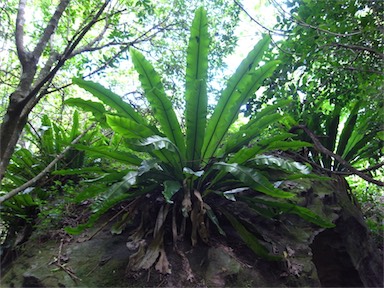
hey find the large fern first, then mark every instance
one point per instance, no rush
(185, 170)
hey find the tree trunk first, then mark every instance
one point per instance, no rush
(31, 88)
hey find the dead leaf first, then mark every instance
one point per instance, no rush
(186, 266)
(186, 204)
(163, 265)
(135, 259)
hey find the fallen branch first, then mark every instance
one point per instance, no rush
(35, 179)
(57, 262)
(319, 147)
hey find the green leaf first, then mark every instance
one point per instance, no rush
(332, 126)
(287, 165)
(128, 128)
(196, 87)
(246, 153)
(253, 179)
(97, 109)
(249, 132)
(121, 156)
(109, 98)
(170, 188)
(303, 212)
(80, 171)
(47, 138)
(252, 242)
(349, 126)
(75, 126)
(189, 171)
(240, 87)
(160, 103)
(361, 142)
(163, 149)
(288, 145)
(211, 215)
(115, 194)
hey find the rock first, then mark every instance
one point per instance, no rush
(344, 256)
(221, 264)
(31, 281)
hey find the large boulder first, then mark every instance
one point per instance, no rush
(344, 256)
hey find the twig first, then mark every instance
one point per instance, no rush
(345, 163)
(60, 251)
(304, 24)
(257, 22)
(111, 219)
(57, 262)
(357, 48)
(46, 169)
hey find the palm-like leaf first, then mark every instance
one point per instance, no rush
(249, 132)
(196, 87)
(279, 163)
(348, 129)
(128, 128)
(261, 146)
(332, 129)
(111, 99)
(240, 87)
(253, 179)
(97, 109)
(160, 103)
(122, 156)
(293, 209)
(250, 239)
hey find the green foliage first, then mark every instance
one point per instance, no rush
(46, 143)
(371, 200)
(331, 66)
(186, 173)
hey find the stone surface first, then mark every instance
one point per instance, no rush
(343, 256)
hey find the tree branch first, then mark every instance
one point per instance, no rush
(325, 151)
(93, 42)
(270, 31)
(68, 51)
(343, 173)
(19, 35)
(357, 48)
(362, 70)
(50, 29)
(35, 179)
(304, 24)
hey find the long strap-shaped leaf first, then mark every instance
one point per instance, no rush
(196, 86)
(128, 128)
(232, 98)
(247, 153)
(244, 136)
(332, 127)
(348, 129)
(110, 98)
(253, 179)
(160, 103)
(105, 151)
(96, 108)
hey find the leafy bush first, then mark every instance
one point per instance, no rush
(20, 212)
(184, 176)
